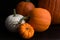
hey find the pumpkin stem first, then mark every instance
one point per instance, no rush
(27, 28)
(27, 0)
(14, 12)
(24, 18)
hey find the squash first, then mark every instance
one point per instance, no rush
(24, 8)
(40, 19)
(26, 31)
(12, 21)
(54, 7)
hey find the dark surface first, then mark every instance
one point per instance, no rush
(6, 6)
(53, 33)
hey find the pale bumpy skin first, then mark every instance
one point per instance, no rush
(11, 22)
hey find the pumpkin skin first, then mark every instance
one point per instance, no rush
(12, 21)
(40, 19)
(26, 31)
(54, 7)
(24, 8)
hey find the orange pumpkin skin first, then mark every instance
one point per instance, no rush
(26, 30)
(54, 7)
(40, 19)
(24, 8)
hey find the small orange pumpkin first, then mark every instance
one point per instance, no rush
(40, 19)
(26, 30)
(24, 8)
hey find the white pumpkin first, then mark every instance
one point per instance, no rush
(12, 21)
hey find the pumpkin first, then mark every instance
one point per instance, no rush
(40, 19)
(24, 8)
(26, 31)
(12, 21)
(54, 7)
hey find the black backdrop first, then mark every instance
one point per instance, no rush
(6, 8)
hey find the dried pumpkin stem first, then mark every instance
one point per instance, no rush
(14, 12)
(27, 0)
(19, 23)
(27, 28)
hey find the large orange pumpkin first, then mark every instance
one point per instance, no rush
(26, 30)
(40, 19)
(24, 8)
(54, 7)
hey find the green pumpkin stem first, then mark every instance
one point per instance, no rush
(14, 12)
(24, 18)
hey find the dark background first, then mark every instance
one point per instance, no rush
(6, 8)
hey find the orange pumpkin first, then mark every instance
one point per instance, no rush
(26, 30)
(40, 19)
(24, 8)
(54, 7)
